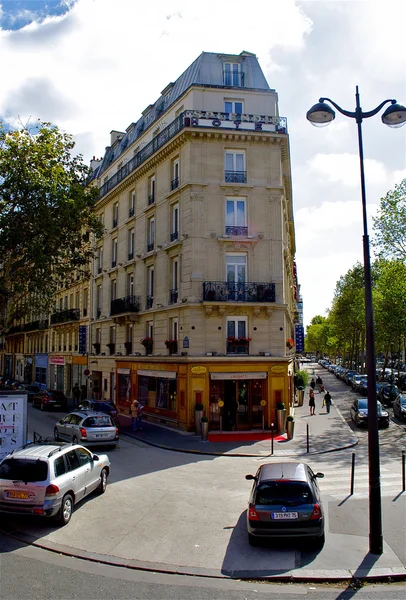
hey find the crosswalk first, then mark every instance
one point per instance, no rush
(337, 480)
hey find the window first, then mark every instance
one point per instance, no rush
(84, 457)
(175, 174)
(234, 106)
(232, 74)
(235, 166)
(114, 253)
(131, 240)
(150, 329)
(175, 281)
(236, 217)
(174, 222)
(174, 326)
(113, 291)
(77, 300)
(236, 328)
(85, 301)
(151, 190)
(236, 268)
(98, 335)
(101, 218)
(115, 214)
(131, 208)
(65, 303)
(99, 301)
(151, 234)
(112, 336)
(150, 290)
(72, 460)
(130, 284)
(100, 260)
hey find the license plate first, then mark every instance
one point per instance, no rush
(102, 435)
(15, 494)
(281, 516)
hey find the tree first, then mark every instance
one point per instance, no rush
(317, 335)
(47, 219)
(390, 224)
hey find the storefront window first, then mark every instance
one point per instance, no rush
(124, 388)
(157, 392)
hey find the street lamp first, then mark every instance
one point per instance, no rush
(322, 114)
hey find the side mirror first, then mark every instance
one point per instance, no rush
(95, 457)
(320, 475)
(250, 477)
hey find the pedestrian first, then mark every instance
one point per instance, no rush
(319, 383)
(313, 384)
(76, 395)
(136, 415)
(83, 392)
(328, 400)
(312, 402)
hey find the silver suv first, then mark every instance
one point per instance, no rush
(48, 479)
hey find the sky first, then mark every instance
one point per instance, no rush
(91, 66)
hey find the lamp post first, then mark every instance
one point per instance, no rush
(322, 114)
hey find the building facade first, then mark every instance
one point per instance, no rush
(192, 295)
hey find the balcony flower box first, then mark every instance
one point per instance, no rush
(290, 343)
(172, 346)
(147, 343)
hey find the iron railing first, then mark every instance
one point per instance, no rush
(173, 296)
(33, 325)
(236, 230)
(174, 236)
(222, 291)
(131, 212)
(150, 301)
(151, 199)
(150, 247)
(115, 223)
(64, 316)
(125, 305)
(174, 183)
(235, 176)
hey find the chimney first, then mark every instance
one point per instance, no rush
(95, 162)
(115, 135)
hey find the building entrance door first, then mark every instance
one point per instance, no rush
(242, 404)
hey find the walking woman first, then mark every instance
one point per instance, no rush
(312, 384)
(312, 402)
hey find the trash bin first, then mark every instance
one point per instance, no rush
(300, 395)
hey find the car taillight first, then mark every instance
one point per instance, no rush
(51, 490)
(116, 431)
(316, 514)
(83, 432)
(252, 513)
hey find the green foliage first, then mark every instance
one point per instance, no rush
(390, 305)
(280, 406)
(390, 224)
(199, 406)
(47, 219)
(301, 378)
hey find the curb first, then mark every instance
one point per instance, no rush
(305, 576)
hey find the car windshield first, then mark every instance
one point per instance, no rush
(289, 493)
(23, 470)
(100, 421)
(363, 404)
(403, 400)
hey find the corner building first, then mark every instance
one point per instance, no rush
(192, 288)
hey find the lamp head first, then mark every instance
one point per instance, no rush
(321, 114)
(395, 115)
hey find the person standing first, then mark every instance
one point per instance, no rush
(313, 384)
(134, 414)
(319, 383)
(76, 395)
(312, 402)
(328, 400)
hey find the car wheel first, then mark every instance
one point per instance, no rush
(75, 440)
(66, 510)
(56, 435)
(101, 488)
(252, 540)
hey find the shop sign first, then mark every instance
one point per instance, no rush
(254, 375)
(56, 360)
(278, 369)
(82, 339)
(151, 373)
(198, 370)
(124, 371)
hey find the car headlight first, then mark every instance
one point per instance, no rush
(362, 414)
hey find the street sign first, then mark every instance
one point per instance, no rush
(82, 339)
(186, 342)
(86, 372)
(299, 338)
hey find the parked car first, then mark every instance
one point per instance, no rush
(87, 427)
(48, 479)
(388, 393)
(31, 390)
(46, 399)
(348, 377)
(285, 503)
(399, 407)
(359, 413)
(362, 387)
(355, 381)
(100, 406)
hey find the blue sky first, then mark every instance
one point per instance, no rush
(91, 66)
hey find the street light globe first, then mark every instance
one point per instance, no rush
(320, 115)
(394, 116)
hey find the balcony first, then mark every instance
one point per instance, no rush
(173, 296)
(150, 247)
(115, 223)
(130, 255)
(174, 236)
(33, 325)
(236, 348)
(174, 183)
(237, 231)
(97, 347)
(150, 301)
(235, 176)
(222, 291)
(125, 305)
(111, 346)
(64, 316)
(151, 199)
(131, 212)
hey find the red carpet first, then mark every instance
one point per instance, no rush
(244, 436)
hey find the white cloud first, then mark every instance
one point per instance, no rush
(345, 168)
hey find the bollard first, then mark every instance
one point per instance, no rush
(352, 473)
(221, 424)
(307, 438)
(272, 433)
(263, 423)
(403, 471)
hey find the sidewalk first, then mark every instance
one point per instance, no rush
(327, 433)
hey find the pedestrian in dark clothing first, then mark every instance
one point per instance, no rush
(83, 392)
(312, 384)
(76, 395)
(319, 383)
(312, 402)
(327, 400)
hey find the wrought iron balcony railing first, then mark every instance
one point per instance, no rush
(113, 264)
(174, 236)
(151, 199)
(236, 230)
(130, 255)
(237, 348)
(125, 305)
(175, 183)
(131, 212)
(115, 223)
(64, 316)
(222, 291)
(150, 301)
(150, 247)
(235, 176)
(33, 325)
(173, 296)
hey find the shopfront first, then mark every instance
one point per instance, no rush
(41, 370)
(237, 400)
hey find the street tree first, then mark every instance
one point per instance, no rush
(47, 219)
(390, 224)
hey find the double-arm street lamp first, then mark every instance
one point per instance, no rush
(394, 116)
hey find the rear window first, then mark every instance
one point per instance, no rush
(289, 493)
(24, 470)
(102, 421)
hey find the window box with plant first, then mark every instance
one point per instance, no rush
(172, 346)
(290, 344)
(147, 343)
